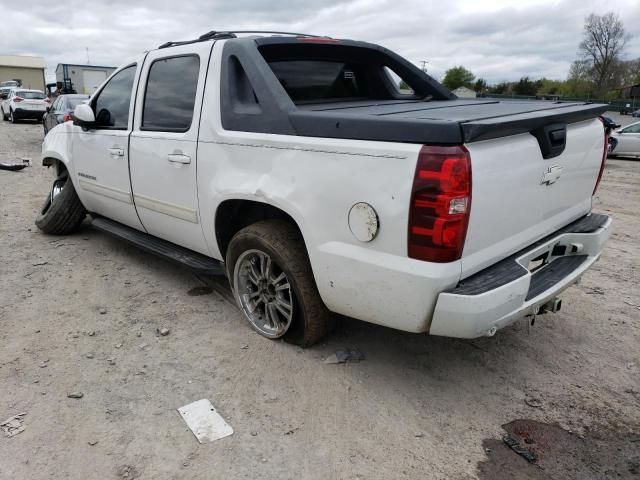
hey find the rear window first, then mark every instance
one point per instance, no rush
(74, 102)
(30, 95)
(312, 80)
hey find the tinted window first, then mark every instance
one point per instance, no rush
(171, 94)
(319, 80)
(632, 129)
(30, 95)
(112, 105)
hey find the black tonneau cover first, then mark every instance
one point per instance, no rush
(253, 100)
(450, 121)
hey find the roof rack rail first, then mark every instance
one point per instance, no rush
(220, 35)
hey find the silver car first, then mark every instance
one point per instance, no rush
(625, 141)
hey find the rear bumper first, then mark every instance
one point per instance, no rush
(508, 291)
(23, 113)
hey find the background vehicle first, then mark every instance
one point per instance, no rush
(4, 92)
(636, 113)
(23, 104)
(10, 83)
(316, 185)
(61, 110)
(626, 141)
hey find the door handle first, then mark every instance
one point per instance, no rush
(116, 152)
(178, 158)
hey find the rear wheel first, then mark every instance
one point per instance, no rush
(4, 115)
(11, 117)
(62, 212)
(272, 281)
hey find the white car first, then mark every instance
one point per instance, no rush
(295, 166)
(626, 141)
(22, 103)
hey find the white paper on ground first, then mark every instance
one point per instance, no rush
(203, 420)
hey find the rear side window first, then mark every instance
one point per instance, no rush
(112, 104)
(313, 80)
(170, 94)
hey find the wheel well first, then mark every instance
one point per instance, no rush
(54, 162)
(233, 215)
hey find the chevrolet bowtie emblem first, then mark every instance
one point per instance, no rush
(551, 175)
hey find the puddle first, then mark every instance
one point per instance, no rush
(197, 291)
(553, 453)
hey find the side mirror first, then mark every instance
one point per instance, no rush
(83, 116)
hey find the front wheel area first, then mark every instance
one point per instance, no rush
(272, 281)
(62, 212)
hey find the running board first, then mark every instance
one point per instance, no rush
(160, 247)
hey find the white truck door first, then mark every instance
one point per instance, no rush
(101, 154)
(164, 143)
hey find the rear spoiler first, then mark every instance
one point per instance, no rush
(502, 126)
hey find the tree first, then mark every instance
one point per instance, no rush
(601, 48)
(458, 77)
(480, 86)
(526, 86)
(503, 88)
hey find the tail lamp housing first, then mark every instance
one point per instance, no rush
(17, 99)
(440, 204)
(67, 117)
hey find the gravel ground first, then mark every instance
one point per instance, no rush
(80, 313)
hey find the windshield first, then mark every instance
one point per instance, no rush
(27, 95)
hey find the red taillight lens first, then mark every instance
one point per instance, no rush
(17, 99)
(440, 204)
(67, 117)
(604, 156)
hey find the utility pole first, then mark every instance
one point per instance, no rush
(88, 61)
(424, 65)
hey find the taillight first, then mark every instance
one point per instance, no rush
(67, 117)
(604, 156)
(440, 204)
(17, 99)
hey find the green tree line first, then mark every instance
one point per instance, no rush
(598, 72)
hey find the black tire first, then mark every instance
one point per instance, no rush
(63, 214)
(12, 118)
(283, 243)
(4, 116)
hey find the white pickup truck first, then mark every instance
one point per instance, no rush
(296, 166)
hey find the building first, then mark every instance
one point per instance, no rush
(464, 92)
(29, 71)
(81, 78)
(630, 91)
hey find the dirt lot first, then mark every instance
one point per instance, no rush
(80, 313)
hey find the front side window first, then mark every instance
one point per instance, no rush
(170, 94)
(111, 107)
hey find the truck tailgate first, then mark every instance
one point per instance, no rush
(513, 205)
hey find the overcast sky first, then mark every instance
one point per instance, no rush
(496, 39)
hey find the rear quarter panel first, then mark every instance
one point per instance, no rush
(317, 181)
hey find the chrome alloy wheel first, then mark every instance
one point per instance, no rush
(57, 187)
(264, 293)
